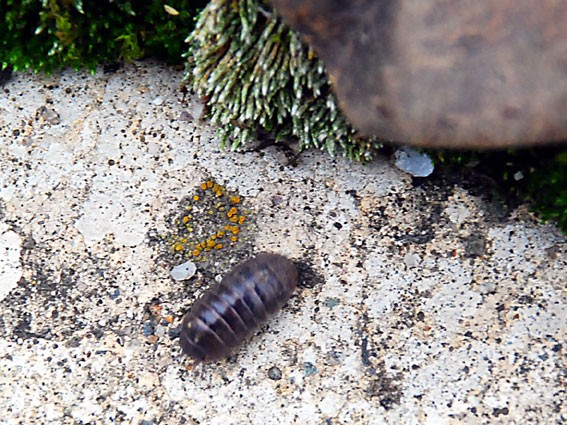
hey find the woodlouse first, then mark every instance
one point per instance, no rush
(233, 309)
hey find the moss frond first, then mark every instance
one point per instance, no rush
(257, 74)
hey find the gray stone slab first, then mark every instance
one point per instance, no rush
(425, 304)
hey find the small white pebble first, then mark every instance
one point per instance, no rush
(413, 162)
(197, 109)
(183, 271)
(158, 101)
(412, 259)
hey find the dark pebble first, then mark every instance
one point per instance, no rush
(275, 373)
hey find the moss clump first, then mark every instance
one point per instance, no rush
(548, 190)
(258, 75)
(49, 34)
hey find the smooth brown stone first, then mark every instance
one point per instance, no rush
(443, 73)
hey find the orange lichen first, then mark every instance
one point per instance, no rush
(234, 229)
(155, 309)
(211, 203)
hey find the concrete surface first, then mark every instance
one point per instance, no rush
(421, 302)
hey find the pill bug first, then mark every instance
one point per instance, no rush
(233, 309)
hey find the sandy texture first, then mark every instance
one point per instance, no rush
(422, 303)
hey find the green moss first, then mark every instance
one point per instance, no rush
(546, 185)
(49, 34)
(258, 75)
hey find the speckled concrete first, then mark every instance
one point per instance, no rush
(426, 302)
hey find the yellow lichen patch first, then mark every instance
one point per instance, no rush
(234, 229)
(231, 212)
(215, 215)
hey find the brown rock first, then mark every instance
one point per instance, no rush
(444, 73)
